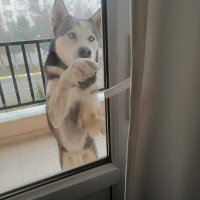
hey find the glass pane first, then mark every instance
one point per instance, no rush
(57, 46)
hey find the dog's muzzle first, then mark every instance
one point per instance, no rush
(84, 52)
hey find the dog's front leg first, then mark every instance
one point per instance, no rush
(58, 100)
(58, 104)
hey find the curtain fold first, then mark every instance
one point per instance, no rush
(163, 158)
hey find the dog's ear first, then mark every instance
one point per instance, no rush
(96, 18)
(59, 12)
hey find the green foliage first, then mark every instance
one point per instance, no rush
(2, 31)
(41, 17)
(20, 30)
(2, 39)
(2, 35)
(40, 93)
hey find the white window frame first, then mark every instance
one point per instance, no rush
(109, 175)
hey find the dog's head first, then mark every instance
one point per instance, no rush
(75, 38)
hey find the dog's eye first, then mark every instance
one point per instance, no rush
(71, 35)
(91, 38)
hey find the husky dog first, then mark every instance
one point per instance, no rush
(72, 106)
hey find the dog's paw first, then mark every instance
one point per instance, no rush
(83, 68)
(79, 71)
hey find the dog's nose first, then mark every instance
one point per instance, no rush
(84, 52)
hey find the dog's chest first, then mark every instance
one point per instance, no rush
(83, 104)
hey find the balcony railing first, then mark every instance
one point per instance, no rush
(22, 44)
(14, 78)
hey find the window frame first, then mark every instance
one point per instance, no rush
(22, 13)
(21, 2)
(10, 15)
(110, 172)
(4, 3)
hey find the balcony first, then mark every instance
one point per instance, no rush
(28, 152)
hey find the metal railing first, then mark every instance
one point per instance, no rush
(13, 76)
(22, 44)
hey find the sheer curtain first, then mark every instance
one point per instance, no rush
(163, 161)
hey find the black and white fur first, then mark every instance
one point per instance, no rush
(71, 91)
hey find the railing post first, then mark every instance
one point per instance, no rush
(41, 65)
(13, 74)
(27, 72)
(2, 96)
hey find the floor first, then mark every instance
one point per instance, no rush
(32, 156)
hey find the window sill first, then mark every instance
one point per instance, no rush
(22, 121)
(76, 186)
(29, 119)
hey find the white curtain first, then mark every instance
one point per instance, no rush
(163, 161)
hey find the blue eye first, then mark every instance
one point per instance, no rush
(91, 38)
(71, 35)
